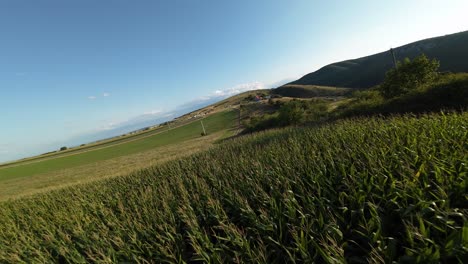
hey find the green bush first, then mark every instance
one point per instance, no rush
(316, 111)
(291, 113)
(259, 123)
(449, 91)
(295, 112)
(408, 76)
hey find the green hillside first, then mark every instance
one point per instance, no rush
(450, 50)
(213, 123)
(309, 91)
(359, 191)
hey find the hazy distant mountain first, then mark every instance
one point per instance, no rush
(145, 120)
(450, 50)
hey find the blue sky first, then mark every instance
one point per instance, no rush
(69, 69)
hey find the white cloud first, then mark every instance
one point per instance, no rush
(146, 116)
(108, 126)
(153, 112)
(204, 98)
(9, 152)
(92, 97)
(239, 89)
(4, 151)
(284, 81)
(106, 94)
(155, 116)
(218, 95)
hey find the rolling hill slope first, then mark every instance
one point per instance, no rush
(309, 91)
(450, 50)
(39, 174)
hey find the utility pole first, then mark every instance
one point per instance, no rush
(394, 59)
(168, 126)
(239, 119)
(203, 127)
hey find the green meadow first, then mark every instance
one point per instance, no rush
(214, 123)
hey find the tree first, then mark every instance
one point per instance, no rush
(63, 148)
(291, 113)
(408, 76)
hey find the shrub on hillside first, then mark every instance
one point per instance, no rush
(295, 112)
(259, 123)
(364, 102)
(316, 111)
(409, 75)
(449, 91)
(291, 113)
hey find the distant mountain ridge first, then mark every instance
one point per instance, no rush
(451, 50)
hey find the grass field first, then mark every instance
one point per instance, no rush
(87, 147)
(103, 143)
(15, 188)
(66, 165)
(364, 190)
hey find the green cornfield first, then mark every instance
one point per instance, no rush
(372, 190)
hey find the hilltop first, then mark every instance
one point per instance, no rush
(450, 50)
